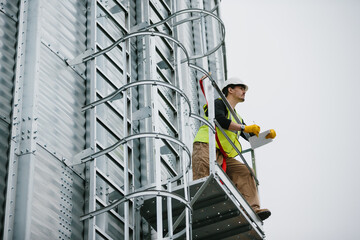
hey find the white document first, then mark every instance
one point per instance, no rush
(256, 142)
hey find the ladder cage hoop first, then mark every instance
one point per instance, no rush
(114, 94)
(203, 120)
(130, 196)
(136, 34)
(149, 82)
(218, 90)
(177, 235)
(143, 135)
(216, 87)
(193, 10)
(143, 31)
(197, 18)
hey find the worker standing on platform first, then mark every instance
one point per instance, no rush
(234, 90)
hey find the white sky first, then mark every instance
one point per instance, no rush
(301, 60)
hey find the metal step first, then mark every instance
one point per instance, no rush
(217, 213)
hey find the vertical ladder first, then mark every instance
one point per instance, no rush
(172, 206)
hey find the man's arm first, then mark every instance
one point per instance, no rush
(225, 123)
(221, 115)
(235, 126)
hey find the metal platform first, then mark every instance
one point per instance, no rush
(218, 213)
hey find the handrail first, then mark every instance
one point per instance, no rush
(204, 121)
(237, 151)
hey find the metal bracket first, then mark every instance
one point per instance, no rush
(142, 113)
(84, 153)
(79, 70)
(79, 59)
(237, 150)
(139, 26)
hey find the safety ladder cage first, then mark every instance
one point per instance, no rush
(129, 198)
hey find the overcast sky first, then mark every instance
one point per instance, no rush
(301, 60)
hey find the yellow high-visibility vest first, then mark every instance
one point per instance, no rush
(203, 136)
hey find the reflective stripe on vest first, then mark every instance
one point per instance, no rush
(203, 136)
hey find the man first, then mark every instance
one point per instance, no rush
(234, 90)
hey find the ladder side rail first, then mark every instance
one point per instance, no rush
(126, 155)
(182, 134)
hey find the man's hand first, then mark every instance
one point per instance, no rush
(271, 134)
(255, 129)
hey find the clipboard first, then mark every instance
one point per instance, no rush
(256, 142)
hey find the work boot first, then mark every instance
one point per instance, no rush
(263, 213)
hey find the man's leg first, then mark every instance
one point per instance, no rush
(200, 160)
(245, 183)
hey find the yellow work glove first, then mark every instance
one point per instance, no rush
(271, 134)
(255, 129)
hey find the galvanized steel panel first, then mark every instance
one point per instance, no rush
(213, 38)
(64, 27)
(57, 199)
(106, 138)
(10, 8)
(8, 41)
(113, 14)
(189, 34)
(61, 90)
(57, 191)
(164, 69)
(111, 70)
(111, 226)
(113, 169)
(4, 145)
(161, 8)
(61, 124)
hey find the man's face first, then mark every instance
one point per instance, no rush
(239, 93)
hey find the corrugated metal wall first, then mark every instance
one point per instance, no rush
(46, 193)
(213, 38)
(8, 32)
(58, 194)
(45, 196)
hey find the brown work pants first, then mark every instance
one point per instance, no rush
(237, 172)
